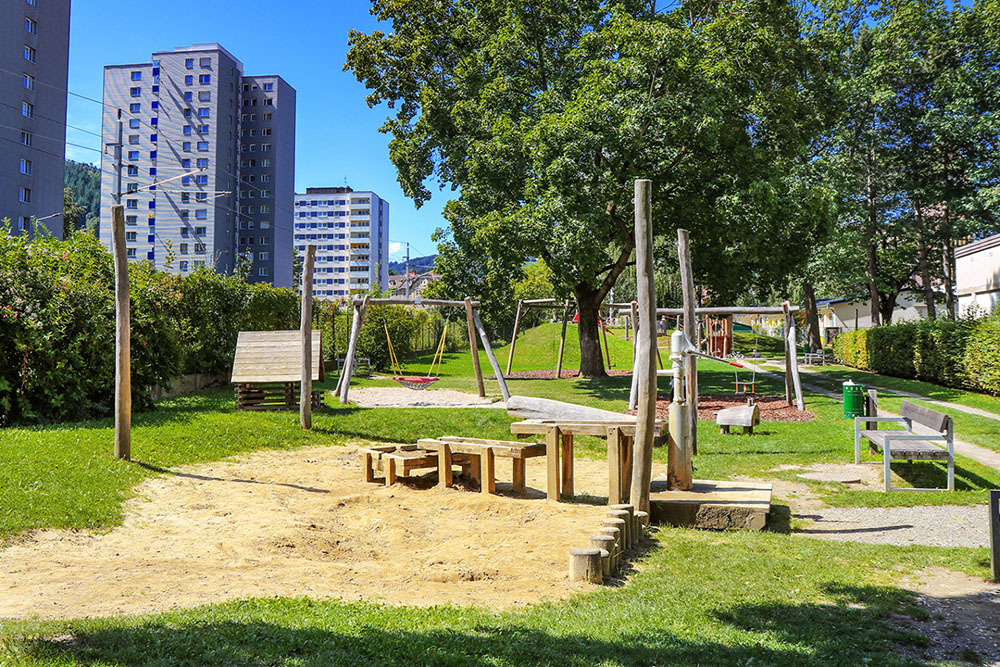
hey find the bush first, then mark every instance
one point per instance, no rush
(57, 326)
(965, 353)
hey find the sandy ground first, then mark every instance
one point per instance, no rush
(401, 397)
(305, 523)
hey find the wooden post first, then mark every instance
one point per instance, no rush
(994, 509)
(123, 343)
(793, 359)
(552, 444)
(604, 332)
(513, 339)
(788, 355)
(691, 332)
(305, 387)
(645, 350)
(489, 355)
(614, 465)
(585, 565)
(633, 395)
(473, 348)
(352, 348)
(444, 466)
(562, 340)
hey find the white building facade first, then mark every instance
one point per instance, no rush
(977, 275)
(350, 230)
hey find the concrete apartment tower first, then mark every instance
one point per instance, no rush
(350, 230)
(208, 163)
(34, 57)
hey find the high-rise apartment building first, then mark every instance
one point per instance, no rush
(350, 230)
(34, 59)
(209, 163)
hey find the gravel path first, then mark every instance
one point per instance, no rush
(401, 397)
(932, 525)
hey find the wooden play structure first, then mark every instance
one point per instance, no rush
(746, 416)
(267, 369)
(472, 319)
(549, 304)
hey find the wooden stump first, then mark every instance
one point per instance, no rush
(585, 565)
(642, 518)
(626, 518)
(616, 547)
(607, 546)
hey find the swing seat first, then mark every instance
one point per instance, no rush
(415, 382)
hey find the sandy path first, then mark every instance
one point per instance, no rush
(401, 397)
(304, 523)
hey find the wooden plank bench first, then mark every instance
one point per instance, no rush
(398, 461)
(484, 454)
(746, 416)
(907, 445)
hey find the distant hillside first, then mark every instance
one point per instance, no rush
(418, 264)
(85, 182)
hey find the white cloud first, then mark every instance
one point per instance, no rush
(395, 249)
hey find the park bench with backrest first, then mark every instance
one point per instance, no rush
(909, 446)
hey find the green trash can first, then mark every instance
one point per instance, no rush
(854, 400)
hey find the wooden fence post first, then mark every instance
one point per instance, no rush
(691, 333)
(473, 348)
(513, 338)
(562, 340)
(123, 343)
(352, 348)
(305, 386)
(645, 360)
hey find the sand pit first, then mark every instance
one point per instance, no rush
(303, 523)
(401, 397)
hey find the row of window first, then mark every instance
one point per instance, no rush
(252, 162)
(323, 214)
(205, 63)
(251, 210)
(314, 202)
(252, 148)
(252, 102)
(250, 194)
(252, 117)
(252, 132)
(247, 87)
(249, 240)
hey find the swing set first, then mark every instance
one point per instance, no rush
(416, 382)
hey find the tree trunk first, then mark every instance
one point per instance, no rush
(948, 264)
(812, 317)
(591, 356)
(924, 264)
(887, 304)
(872, 267)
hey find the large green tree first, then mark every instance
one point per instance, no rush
(540, 115)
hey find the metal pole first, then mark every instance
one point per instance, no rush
(995, 533)
(305, 386)
(407, 280)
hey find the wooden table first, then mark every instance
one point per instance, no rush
(559, 440)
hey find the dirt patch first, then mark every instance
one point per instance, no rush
(401, 397)
(305, 523)
(772, 408)
(963, 616)
(550, 374)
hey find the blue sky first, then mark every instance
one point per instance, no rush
(305, 42)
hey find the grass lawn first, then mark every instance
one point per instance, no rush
(699, 598)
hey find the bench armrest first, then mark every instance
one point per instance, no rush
(864, 420)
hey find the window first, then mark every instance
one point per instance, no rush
(265, 162)
(265, 178)
(189, 63)
(186, 162)
(264, 209)
(187, 113)
(199, 248)
(203, 129)
(26, 167)
(131, 219)
(264, 241)
(186, 146)
(205, 62)
(33, 3)
(264, 148)
(262, 271)
(202, 162)
(30, 26)
(201, 180)
(201, 196)
(189, 80)
(203, 112)
(130, 236)
(184, 213)
(133, 155)
(27, 138)
(187, 130)
(156, 89)
(266, 116)
(154, 104)
(154, 121)
(137, 76)
(135, 92)
(185, 196)
(28, 81)
(29, 54)
(135, 107)
(184, 266)
(205, 78)
(133, 123)
(265, 194)
(27, 110)
(130, 253)
(131, 187)
(268, 86)
(199, 264)
(265, 132)
(201, 214)
(133, 170)
(133, 139)
(188, 96)
(199, 231)
(153, 138)
(263, 256)
(185, 232)
(204, 96)
(184, 248)
(203, 145)
(24, 195)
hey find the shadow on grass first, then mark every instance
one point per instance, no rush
(927, 474)
(850, 629)
(236, 480)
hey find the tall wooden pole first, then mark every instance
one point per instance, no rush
(305, 388)
(123, 343)
(473, 348)
(633, 395)
(604, 331)
(645, 360)
(352, 348)
(489, 355)
(562, 340)
(691, 332)
(513, 338)
(793, 359)
(788, 355)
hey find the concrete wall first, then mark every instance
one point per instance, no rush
(977, 275)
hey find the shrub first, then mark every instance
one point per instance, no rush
(982, 355)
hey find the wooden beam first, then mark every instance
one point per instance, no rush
(645, 360)
(473, 348)
(562, 339)
(604, 331)
(399, 301)
(633, 395)
(788, 356)
(794, 363)
(691, 331)
(305, 388)
(614, 465)
(729, 310)
(489, 355)
(553, 440)
(123, 343)
(513, 338)
(352, 348)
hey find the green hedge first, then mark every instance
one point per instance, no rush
(963, 354)
(57, 326)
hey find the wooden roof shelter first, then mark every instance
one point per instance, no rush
(267, 369)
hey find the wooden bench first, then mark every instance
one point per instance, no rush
(484, 454)
(360, 363)
(907, 445)
(746, 416)
(814, 358)
(398, 461)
